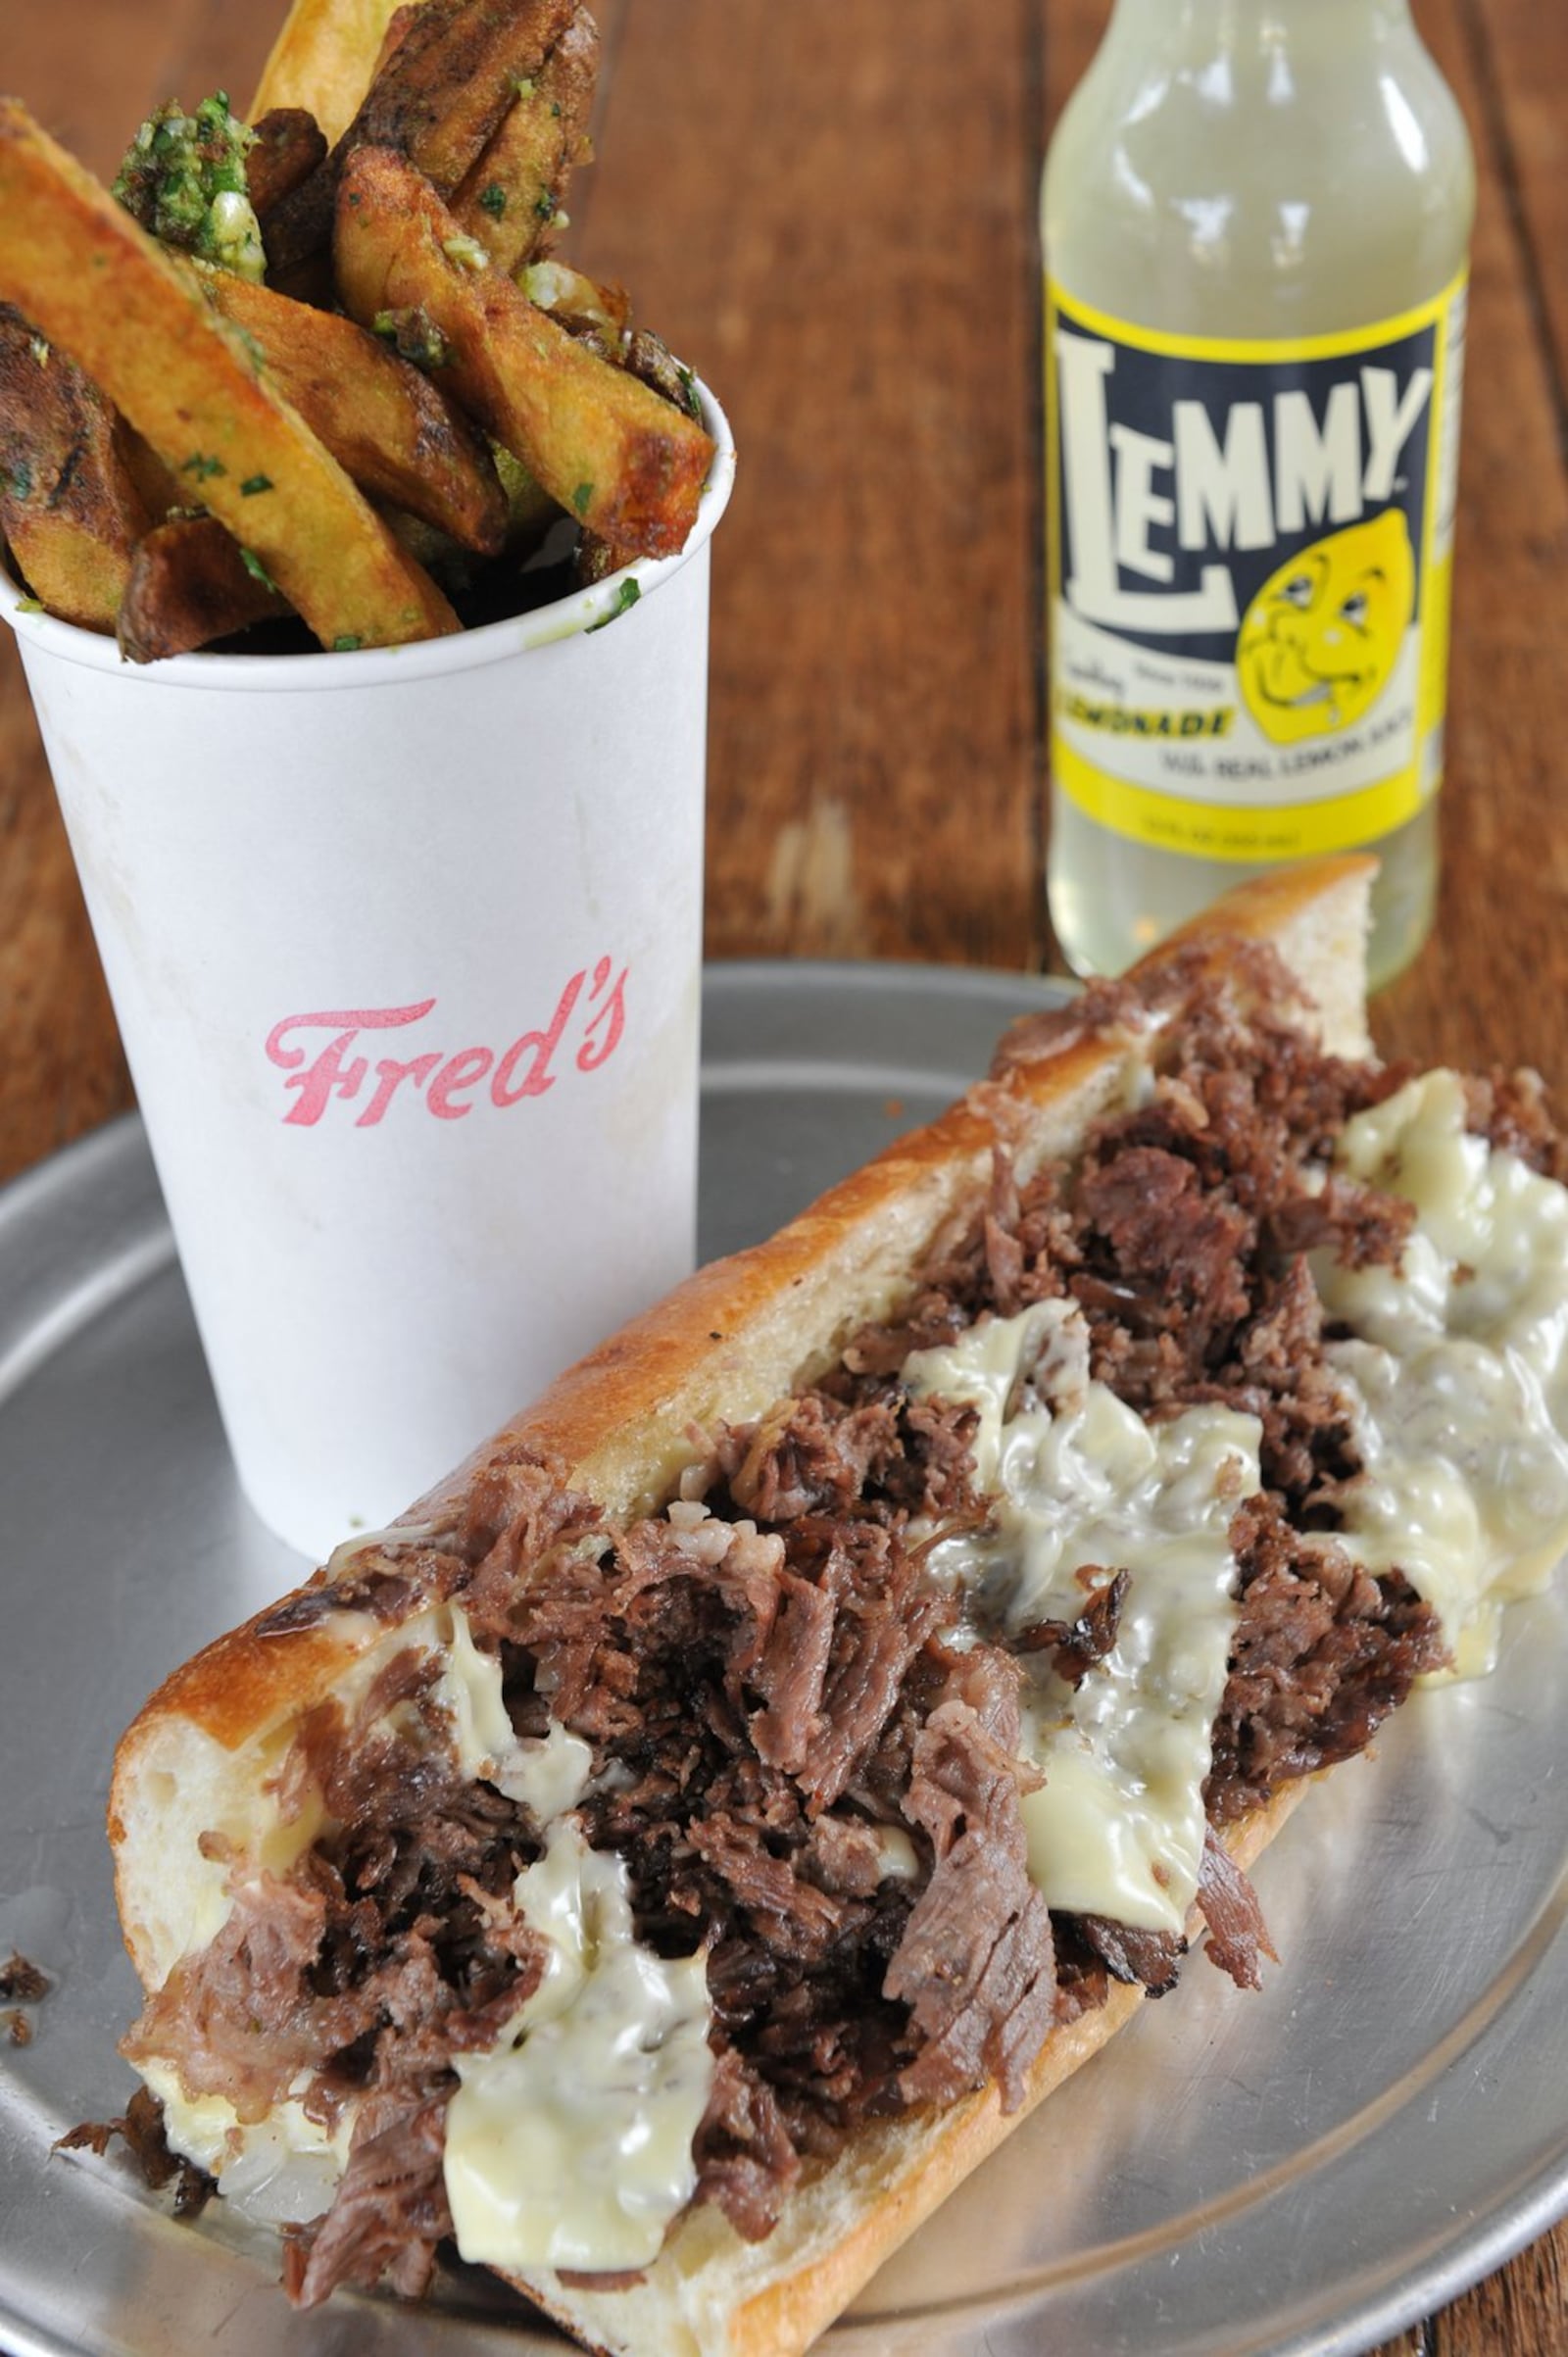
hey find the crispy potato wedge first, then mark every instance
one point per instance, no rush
(386, 425)
(437, 98)
(324, 59)
(446, 87)
(289, 146)
(70, 506)
(97, 286)
(628, 465)
(513, 196)
(531, 510)
(159, 493)
(189, 584)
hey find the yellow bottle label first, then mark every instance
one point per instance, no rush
(1248, 564)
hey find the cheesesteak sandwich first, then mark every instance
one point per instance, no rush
(679, 1850)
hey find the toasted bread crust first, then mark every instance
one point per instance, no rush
(728, 1342)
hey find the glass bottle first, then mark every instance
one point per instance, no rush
(1255, 216)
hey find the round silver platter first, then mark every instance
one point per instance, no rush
(1299, 2171)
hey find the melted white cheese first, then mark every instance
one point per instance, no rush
(546, 1774)
(569, 2144)
(1083, 1488)
(898, 1860)
(1457, 1372)
(284, 2167)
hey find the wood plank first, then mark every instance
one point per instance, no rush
(93, 71)
(90, 73)
(63, 1071)
(869, 324)
(1474, 995)
(1519, 58)
(212, 45)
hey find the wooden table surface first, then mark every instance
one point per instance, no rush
(828, 209)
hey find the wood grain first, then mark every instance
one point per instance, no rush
(1521, 81)
(1505, 857)
(874, 686)
(829, 211)
(90, 75)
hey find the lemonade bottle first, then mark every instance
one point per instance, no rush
(1255, 216)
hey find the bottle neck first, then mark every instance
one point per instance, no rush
(1223, 26)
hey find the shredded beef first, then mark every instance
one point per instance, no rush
(1365, 1229)
(976, 1964)
(1180, 1233)
(813, 1455)
(884, 1617)
(745, 2159)
(1078, 1645)
(846, 1855)
(813, 1969)
(867, 1456)
(141, 2130)
(21, 1979)
(795, 1916)
(1322, 1653)
(390, 2210)
(1236, 1933)
(1103, 1005)
(241, 2014)
(1178, 1255)
(1130, 1954)
(1175, 1321)
(388, 1591)
(1509, 1110)
(517, 1520)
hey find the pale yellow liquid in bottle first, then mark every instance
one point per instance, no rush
(1249, 169)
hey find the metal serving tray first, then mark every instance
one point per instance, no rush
(1301, 2171)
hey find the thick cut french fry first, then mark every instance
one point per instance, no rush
(299, 235)
(513, 196)
(160, 494)
(97, 286)
(69, 504)
(628, 465)
(324, 59)
(437, 99)
(289, 147)
(189, 584)
(390, 427)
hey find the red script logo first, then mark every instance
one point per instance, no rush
(592, 1007)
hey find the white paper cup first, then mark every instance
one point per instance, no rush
(405, 951)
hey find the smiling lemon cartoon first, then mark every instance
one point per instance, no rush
(1319, 640)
